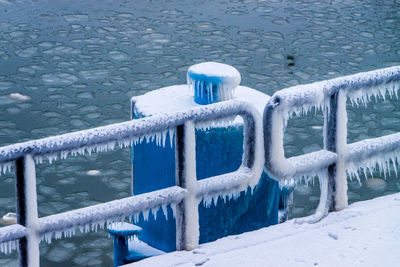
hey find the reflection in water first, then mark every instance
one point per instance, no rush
(72, 65)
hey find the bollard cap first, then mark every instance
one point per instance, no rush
(212, 82)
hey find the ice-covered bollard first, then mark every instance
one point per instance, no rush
(212, 82)
(219, 150)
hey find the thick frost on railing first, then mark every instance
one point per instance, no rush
(183, 198)
(97, 216)
(9, 236)
(337, 158)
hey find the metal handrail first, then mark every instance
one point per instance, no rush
(186, 195)
(332, 162)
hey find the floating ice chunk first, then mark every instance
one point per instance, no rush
(93, 172)
(9, 218)
(118, 55)
(59, 78)
(27, 52)
(99, 74)
(377, 184)
(18, 96)
(76, 17)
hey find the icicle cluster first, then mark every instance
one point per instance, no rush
(379, 162)
(359, 88)
(9, 236)
(206, 77)
(210, 199)
(219, 123)
(8, 247)
(225, 91)
(5, 167)
(369, 156)
(160, 138)
(96, 217)
(100, 225)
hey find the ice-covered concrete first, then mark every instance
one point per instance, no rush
(364, 234)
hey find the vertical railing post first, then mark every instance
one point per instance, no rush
(27, 213)
(187, 213)
(335, 132)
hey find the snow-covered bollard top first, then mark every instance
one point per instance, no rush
(212, 82)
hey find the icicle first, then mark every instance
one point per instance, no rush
(171, 133)
(5, 167)
(146, 215)
(207, 201)
(173, 207)
(215, 200)
(154, 212)
(8, 247)
(165, 211)
(136, 217)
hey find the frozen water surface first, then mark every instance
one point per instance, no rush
(80, 61)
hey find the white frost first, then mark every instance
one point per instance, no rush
(32, 222)
(191, 202)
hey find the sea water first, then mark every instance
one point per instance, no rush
(72, 65)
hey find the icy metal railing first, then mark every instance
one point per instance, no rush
(183, 198)
(338, 159)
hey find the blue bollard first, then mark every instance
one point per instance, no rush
(212, 82)
(218, 150)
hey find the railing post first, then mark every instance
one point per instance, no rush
(187, 213)
(27, 214)
(335, 132)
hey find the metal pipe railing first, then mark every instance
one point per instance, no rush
(331, 163)
(186, 194)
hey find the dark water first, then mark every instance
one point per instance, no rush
(79, 62)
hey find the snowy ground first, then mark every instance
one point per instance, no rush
(367, 233)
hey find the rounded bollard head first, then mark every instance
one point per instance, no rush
(212, 82)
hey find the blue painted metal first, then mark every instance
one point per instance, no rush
(120, 233)
(97, 215)
(209, 87)
(218, 150)
(205, 94)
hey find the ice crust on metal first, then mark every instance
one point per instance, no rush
(367, 155)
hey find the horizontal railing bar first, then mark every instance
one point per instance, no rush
(313, 94)
(124, 130)
(12, 232)
(224, 183)
(368, 148)
(112, 210)
(315, 161)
